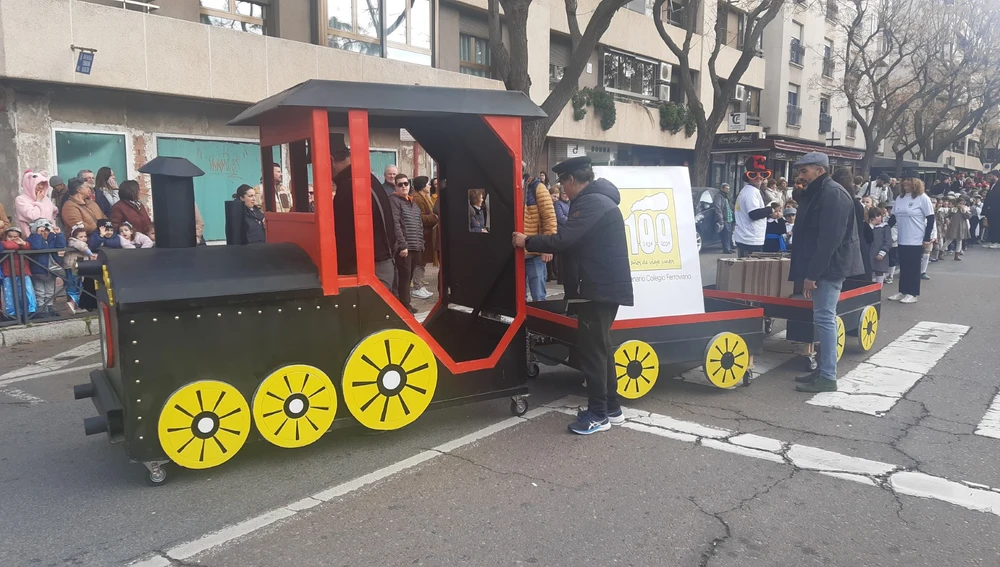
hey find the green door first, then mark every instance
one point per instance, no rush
(89, 150)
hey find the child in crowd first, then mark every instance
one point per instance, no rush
(78, 251)
(894, 248)
(867, 203)
(774, 233)
(132, 239)
(789, 215)
(104, 236)
(957, 227)
(881, 243)
(45, 268)
(16, 273)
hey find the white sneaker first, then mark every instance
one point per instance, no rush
(897, 296)
(908, 299)
(422, 293)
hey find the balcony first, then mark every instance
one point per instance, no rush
(797, 53)
(832, 10)
(852, 129)
(825, 123)
(828, 66)
(794, 115)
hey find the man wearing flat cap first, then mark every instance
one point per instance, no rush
(827, 250)
(593, 237)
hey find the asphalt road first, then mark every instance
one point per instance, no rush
(530, 493)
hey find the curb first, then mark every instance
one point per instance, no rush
(68, 329)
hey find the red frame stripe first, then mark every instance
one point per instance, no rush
(570, 322)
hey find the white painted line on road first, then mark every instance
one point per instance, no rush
(874, 386)
(53, 362)
(50, 373)
(990, 425)
(972, 496)
(230, 533)
(22, 396)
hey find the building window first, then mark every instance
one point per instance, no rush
(832, 10)
(741, 27)
(828, 64)
(794, 111)
(630, 75)
(238, 15)
(852, 129)
(797, 51)
(474, 54)
(672, 13)
(355, 25)
(825, 119)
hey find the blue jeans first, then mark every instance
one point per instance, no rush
(534, 273)
(824, 299)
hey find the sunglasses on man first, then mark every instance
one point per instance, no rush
(403, 184)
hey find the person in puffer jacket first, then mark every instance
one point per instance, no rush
(45, 267)
(539, 219)
(594, 238)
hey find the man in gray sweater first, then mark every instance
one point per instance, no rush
(406, 215)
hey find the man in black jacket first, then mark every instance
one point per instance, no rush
(594, 237)
(827, 250)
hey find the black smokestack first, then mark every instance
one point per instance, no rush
(172, 180)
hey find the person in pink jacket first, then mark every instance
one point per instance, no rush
(33, 202)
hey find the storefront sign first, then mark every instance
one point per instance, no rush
(575, 150)
(745, 139)
(660, 231)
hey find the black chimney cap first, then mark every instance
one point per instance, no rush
(172, 166)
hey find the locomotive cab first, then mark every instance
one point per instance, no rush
(208, 348)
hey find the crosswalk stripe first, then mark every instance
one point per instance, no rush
(990, 425)
(874, 386)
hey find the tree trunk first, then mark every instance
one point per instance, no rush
(533, 134)
(866, 161)
(702, 158)
(899, 163)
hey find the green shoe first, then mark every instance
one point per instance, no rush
(818, 385)
(812, 376)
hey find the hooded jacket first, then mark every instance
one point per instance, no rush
(594, 239)
(40, 265)
(27, 207)
(826, 239)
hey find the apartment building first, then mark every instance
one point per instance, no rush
(167, 75)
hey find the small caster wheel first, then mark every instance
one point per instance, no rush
(518, 406)
(157, 476)
(748, 378)
(768, 325)
(811, 364)
(533, 370)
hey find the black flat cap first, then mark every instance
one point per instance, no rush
(172, 166)
(909, 172)
(572, 164)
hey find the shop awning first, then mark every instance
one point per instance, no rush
(806, 148)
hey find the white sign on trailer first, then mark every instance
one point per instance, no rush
(660, 230)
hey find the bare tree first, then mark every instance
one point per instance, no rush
(510, 64)
(759, 13)
(880, 82)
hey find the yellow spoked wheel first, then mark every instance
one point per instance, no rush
(868, 328)
(203, 424)
(727, 360)
(294, 406)
(389, 379)
(841, 338)
(637, 367)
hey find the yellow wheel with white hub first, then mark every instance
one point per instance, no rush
(203, 424)
(868, 328)
(294, 406)
(841, 338)
(389, 379)
(727, 360)
(636, 366)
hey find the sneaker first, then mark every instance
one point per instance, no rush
(424, 293)
(72, 307)
(896, 296)
(616, 417)
(888, 280)
(413, 309)
(908, 299)
(808, 377)
(818, 385)
(587, 423)
(924, 276)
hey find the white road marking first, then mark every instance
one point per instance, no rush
(874, 386)
(50, 373)
(990, 425)
(22, 396)
(876, 474)
(54, 362)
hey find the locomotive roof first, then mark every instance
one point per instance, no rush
(393, 100)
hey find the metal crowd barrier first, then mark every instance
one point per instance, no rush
(16, 304)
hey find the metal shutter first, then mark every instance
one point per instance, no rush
(559, 53)
(474, 24)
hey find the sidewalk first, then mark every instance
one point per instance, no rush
(49, 331)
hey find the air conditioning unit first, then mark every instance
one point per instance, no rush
(741, 93)
(664, 92)
(666, 72)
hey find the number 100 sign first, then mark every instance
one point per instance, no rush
(651, 229)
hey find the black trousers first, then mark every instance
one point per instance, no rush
(745, 250)
(594, 350)
(909, 269)
(404, 271)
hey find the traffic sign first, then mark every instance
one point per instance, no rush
(737, 121)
